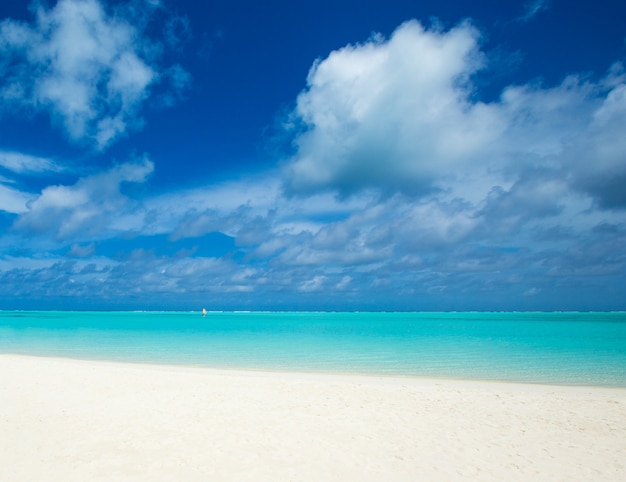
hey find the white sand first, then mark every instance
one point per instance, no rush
(82, 421)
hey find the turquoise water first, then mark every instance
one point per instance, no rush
(563, 348)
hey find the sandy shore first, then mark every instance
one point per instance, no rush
(79, 420)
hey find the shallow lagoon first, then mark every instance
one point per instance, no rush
(562, 348)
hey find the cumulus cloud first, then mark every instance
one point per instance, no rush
(397, 248)
(445, 202)
(401, 115)
(91, 69)
(598, 158)
(395, 113)
(87, 208)
(572, 131)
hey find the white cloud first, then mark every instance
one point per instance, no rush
(23, 163)
(440, 195)
(87, 208)
(524, 235)
(595, 158)
(81, 251)
(393, 113)
(401, 115)
(13, 200)
(87, 67)
(313, 285)
(221, 207)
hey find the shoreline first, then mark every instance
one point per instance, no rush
(313, 373)
(69, 419)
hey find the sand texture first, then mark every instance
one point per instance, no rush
(72, 420)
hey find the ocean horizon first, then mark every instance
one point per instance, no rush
(567, 348)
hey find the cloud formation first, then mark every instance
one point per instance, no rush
(90, 68)
(20, 163)
(93, 205)
(13, 200)
(362, 252)
(401, 115)
(391, 113)
(406, 191)
(14, 165)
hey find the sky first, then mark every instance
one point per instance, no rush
(313, 155)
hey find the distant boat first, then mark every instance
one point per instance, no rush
(203, 311)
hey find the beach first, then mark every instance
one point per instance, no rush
(63, 419)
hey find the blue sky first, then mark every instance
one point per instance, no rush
(391, 155)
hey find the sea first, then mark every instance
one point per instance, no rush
(565, 348)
